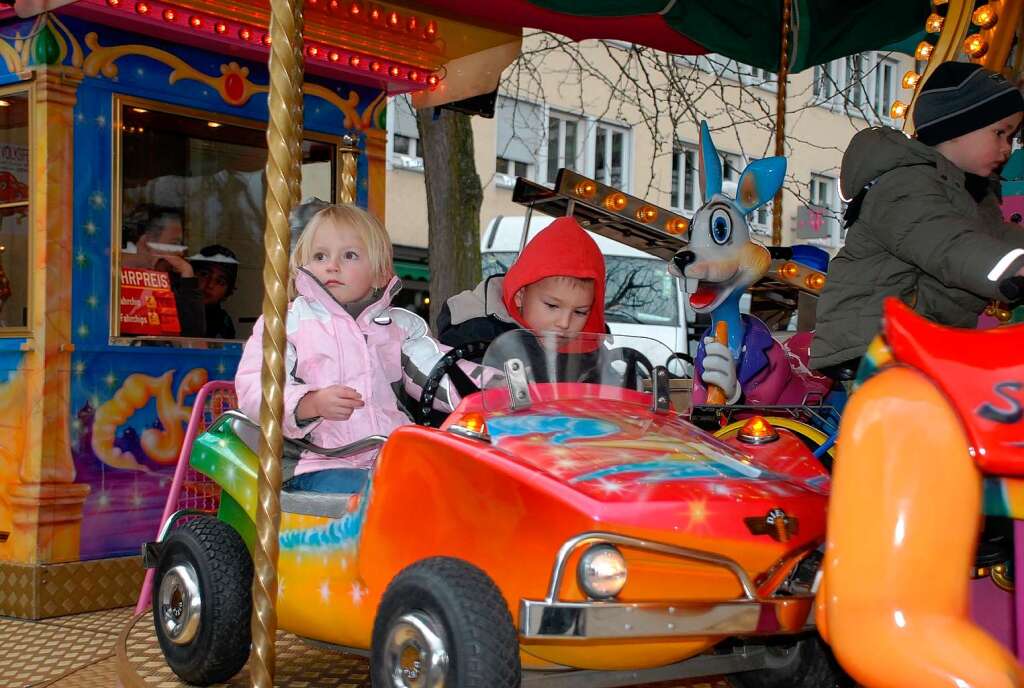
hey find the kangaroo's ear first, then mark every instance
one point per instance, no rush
(710, 165)
(760, 182)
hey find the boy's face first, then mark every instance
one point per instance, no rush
(984, 150)
(339, 259)
(214, 283)
(556, 304)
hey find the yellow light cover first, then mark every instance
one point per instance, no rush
(934, 23)
(615, 201)
(647, 213)
(924, 50)
(899, 110)
(789, 270)
(815, 281)
(975, 46)
(910, 80)
(985, 16)
(585, 189)
(677, 225)
(474, 422)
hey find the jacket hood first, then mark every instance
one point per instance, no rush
(313, 289)
(873, 152)
(565, 249)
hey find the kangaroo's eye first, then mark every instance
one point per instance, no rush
(721, 226)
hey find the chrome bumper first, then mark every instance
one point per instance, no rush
(551, 618)
(589, 620)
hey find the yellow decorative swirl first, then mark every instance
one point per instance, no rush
(101, 61)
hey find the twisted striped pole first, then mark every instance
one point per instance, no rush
(780, 115)
(284, 178)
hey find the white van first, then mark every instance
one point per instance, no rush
(641, 297)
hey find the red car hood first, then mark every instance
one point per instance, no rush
(622, 452)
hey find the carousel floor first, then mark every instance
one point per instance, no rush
(109, 648)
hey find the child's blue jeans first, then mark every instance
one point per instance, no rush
(331, 480)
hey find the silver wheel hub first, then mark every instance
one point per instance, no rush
(415, 652)
(180, 604)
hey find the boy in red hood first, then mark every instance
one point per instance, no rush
(555, 285)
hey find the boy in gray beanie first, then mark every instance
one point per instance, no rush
(924, 223)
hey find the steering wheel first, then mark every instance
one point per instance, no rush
(635, 362)
(448, 365)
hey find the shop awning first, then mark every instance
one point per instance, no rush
(414, 272)
(744, 30)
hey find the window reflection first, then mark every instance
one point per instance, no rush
(193, 219)
(14, 224)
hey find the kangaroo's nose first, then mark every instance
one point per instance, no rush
(682, 259)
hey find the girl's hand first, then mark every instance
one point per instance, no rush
(175, 264)
(336, 402)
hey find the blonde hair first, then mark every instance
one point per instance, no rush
(378, 243)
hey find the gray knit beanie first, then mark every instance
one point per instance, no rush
(960, 97)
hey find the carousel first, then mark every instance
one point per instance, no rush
(144, 143)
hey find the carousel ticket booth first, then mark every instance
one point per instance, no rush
(132, 154)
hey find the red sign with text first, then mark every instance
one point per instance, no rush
(147, 303)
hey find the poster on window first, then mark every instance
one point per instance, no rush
(147, 303)
(812, 223)
(13, 177)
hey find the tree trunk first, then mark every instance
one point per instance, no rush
(454, 196)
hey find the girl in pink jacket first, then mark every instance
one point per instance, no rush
(345, 347)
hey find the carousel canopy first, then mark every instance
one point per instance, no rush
(745, 30)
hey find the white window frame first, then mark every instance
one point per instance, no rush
(506, 179)
(829, 203)
(586, 141)
(870, 100)
(761, 219)
(412, 161)
(722, 66)
(679, 152)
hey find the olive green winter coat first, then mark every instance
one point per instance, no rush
(920, 236)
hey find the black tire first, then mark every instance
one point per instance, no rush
(804, 662)
(465, 608)
(218, 647)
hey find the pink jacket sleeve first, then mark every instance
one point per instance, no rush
(248, 387)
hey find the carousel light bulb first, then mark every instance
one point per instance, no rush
(934, 23)
(313, 51)
(267, 39)
(975, 46)
(169, 15)
(333, 56)
(142, 8)
(375, 14)
(815, 281)
(899, 110)
(431, 29)
(676, 225)
(355, 60)
(985, 16)
(585, 189)
(244, 34)
(220, 27)
(394, 19)
(375, 66)
(924, 50)
(113, 3)
(789, 270)
(647, 213)
(432, 80)
(414, 75)
(195, 21)
(394, 71)
(355, 9)
(412, 23)
(910, 80)
(616, 201)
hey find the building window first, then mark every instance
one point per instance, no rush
(731, 165)
(863, 85)
(190, 220)
(820, 221)
(563, 145)
(520, 132)
(15, 246)
(685, 192)
(405, 149)
(596, 149)
(761, 219)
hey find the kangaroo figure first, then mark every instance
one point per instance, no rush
(718, 264)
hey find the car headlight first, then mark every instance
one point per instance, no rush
(602, 572)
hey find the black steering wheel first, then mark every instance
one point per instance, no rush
(448, 365)
(636, 363)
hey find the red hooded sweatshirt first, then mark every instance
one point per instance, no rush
(564, 249)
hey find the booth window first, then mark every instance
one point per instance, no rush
(192, 218)
(15, 244)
